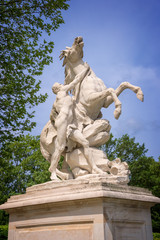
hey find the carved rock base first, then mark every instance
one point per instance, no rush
(80, 209)
(114, 171)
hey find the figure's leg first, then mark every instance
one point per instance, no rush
(78, 137)
(61, 124)
(62, 175)
(55, 159)
(60, 142)
(54, 162)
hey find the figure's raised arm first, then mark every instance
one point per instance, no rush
(79, 77)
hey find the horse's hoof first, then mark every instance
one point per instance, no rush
(117, 112)
(140, 95)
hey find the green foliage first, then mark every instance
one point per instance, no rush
(155, 214)
(145, 171)
(156, 236)
(124, 148)
(24, 53)
(22, 165)
(3, 218)
(3, 232)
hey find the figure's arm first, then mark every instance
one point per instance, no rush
(79, 77)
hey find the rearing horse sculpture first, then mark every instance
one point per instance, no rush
(90, 95)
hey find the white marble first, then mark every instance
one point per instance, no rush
(75, 128)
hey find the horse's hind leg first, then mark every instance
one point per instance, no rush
(99, 125)
(135, 89)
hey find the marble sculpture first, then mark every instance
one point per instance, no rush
(75, 129)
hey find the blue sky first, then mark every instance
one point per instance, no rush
(121, 43)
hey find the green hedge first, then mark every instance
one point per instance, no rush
(156, 236)
(3, 232)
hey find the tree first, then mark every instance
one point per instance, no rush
(24, 53)
(145, 171)
(22, 165)
(125, 148)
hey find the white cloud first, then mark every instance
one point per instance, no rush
(130, 126)
(134, 127)
(133, 74)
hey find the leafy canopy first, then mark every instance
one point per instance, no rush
(24, 53)
(124, 148)
(22, 165)
(145, 171)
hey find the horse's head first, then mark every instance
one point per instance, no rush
(71, 56)
(74, 53)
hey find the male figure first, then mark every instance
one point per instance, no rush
(62, 114)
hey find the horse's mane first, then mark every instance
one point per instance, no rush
(66, 56)
(69, 74)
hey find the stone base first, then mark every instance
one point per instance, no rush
(80, 210)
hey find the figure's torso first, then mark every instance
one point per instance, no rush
(63, 101)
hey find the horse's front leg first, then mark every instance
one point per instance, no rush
(121, 88)
(117, 112)
(135, 89)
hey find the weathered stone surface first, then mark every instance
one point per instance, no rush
(75, 119)
(81, 209)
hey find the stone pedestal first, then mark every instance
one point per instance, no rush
(80, 210)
